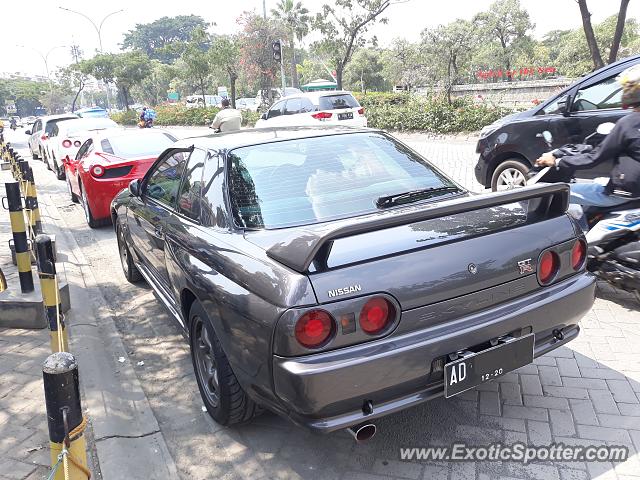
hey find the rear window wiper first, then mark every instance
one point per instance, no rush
(413, 195)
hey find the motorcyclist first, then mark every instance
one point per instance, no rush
(622, 145)
(228, 119)
(13, 124)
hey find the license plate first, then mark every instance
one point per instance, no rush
(345, 116)
(476, 368)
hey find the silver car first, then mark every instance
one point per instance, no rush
(40, 131)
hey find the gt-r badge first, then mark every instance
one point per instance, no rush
(525, 266)
(344, 290)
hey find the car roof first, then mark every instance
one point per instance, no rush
(257, 136)
(125, 132)
(68, 116)
(82, 122)
(316, 95)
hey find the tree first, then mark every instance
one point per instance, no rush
(508, 23)
(197, 62)
(449, 47)
(295, 21)
(256, 59)
(365, 71)
(154, 87)
(404, 64)
(153, 38)
(225, 55)
(592, 42)
(343, 26)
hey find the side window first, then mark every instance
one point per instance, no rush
(84, 150)
(213, 209)
(276, 110)
(603, 95)
(189, 197)
(37, 126)
(306, 105)
(164, 182)
(293, 106)
(552, 108)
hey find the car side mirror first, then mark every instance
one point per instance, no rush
(134, 188)
(28, 132)
(563, 106)
(264, 116)
(547, 136)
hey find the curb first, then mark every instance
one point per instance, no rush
(127, 437)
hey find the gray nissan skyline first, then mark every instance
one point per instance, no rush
(334, 276)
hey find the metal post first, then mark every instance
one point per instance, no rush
(51, 294)
(284, 81)
(23, 256)
(31, 203)
(64, 417)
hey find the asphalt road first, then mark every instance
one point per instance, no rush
(587, 393)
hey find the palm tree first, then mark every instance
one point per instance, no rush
(295, 19)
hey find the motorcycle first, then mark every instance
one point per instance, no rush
(13, 126)
(148, 123)
(613, 233)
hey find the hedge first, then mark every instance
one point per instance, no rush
(388, 111)
(180, 115)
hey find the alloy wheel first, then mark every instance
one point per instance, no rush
(124, 253)
(511, 178)
(206, 366)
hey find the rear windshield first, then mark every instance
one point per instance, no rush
(334, 102)
(130, 146)
(51, 124)
(311, 180)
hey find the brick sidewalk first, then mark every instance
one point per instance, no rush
(24, 438)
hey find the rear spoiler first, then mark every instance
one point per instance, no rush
(300, 249)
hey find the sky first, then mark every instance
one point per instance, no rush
(41, 26)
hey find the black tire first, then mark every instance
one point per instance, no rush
(34, 155)
(45, 159)
(74, 197)
(93, 223)
(221, 393)
(131, 272)
(509, 174)
(60, 175)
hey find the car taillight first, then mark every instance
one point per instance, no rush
(44, 137)
(66, 143)
(548, 267)
(578, 254)
(322, 115)
(97, 171)
(376, 315)
(361, 111)
(314, 328)
(77, 143)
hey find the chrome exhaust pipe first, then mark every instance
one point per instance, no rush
(362, 432)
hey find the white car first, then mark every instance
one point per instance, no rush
(67, 136)
(247, 103)
(316, 108)
(40, 131)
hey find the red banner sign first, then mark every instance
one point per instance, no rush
(519, 72)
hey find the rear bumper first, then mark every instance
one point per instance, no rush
(100, 193)
(326, 391)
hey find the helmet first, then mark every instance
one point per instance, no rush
(630, 81)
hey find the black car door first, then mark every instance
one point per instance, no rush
(594, 102)
(151, 211)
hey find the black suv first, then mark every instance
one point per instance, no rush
(509, 147)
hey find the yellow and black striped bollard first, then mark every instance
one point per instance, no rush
(64, 417)
(31, 203)
(23, 256)
(51, 294)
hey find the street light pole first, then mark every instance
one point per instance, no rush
(45, 59)
(98, 29)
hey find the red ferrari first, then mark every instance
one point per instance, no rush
(106, 163)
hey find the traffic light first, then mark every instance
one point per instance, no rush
(276, 49)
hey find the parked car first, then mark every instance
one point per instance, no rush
(247, 104)
(196, 101)
(509, 147)
(40, 131)
(105, 164)
(30, 120)
(334, 276)
(92, 112)
(66, 137)
(315, 108)
(276, 94)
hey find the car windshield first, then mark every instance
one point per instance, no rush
(131, 146)
(333, 102)
(311, 180)
(51, 124)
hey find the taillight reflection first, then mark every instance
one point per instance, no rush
(322, 115)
